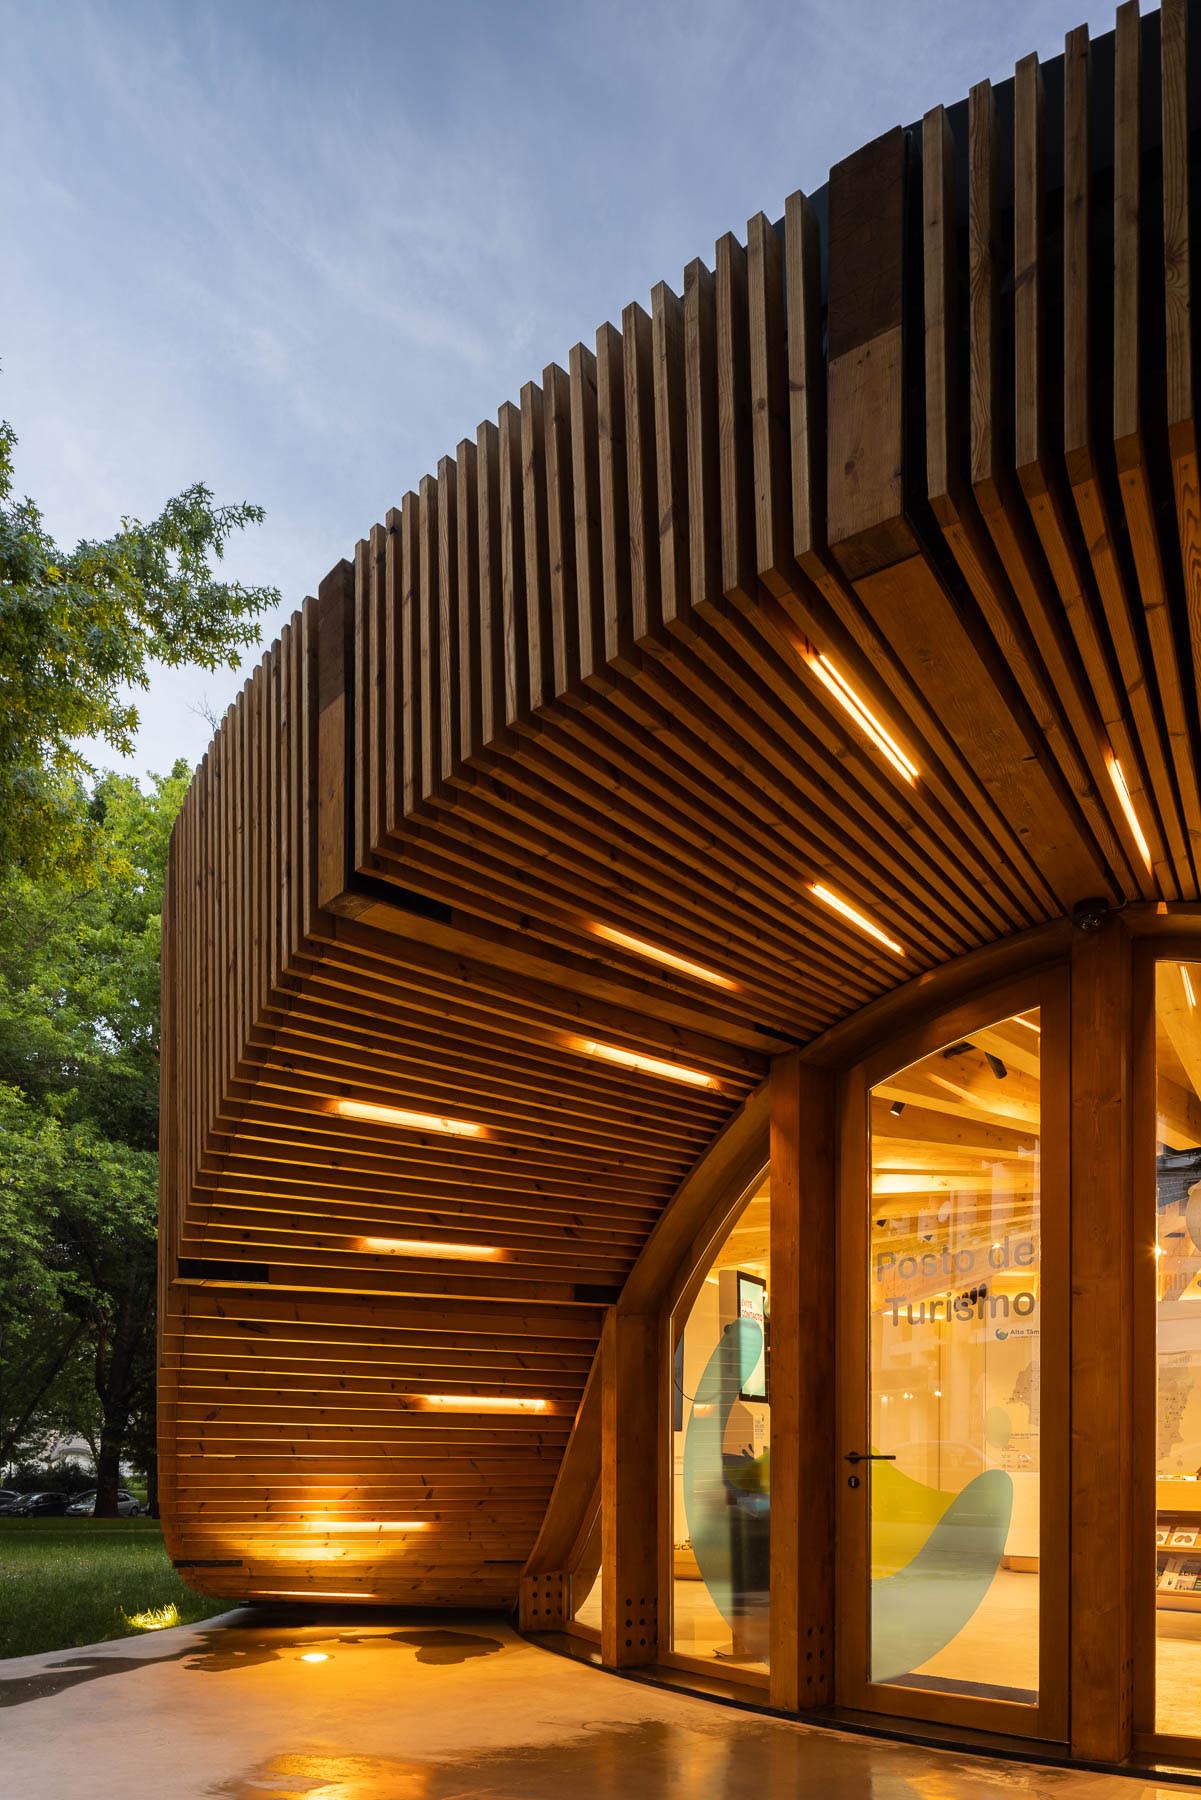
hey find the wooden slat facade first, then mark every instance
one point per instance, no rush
(932, 436)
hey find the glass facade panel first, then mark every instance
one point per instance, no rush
(954, 1368)
(721, 1437)
(1178, 1348)
(586, 1580)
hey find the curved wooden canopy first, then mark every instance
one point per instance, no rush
(864, 574)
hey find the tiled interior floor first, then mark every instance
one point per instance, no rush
(996, 1648)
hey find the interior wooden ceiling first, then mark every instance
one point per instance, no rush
(552, 773)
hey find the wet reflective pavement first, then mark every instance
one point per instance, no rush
(374, 1706)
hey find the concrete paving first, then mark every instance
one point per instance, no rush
(370, 1706)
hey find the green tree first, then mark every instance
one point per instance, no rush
(79, 632)
(79, 1053)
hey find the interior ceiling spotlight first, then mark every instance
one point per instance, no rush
(996, 1065)
(897, 1108)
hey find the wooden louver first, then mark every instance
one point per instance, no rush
(594, 674)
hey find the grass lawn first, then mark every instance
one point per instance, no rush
(72, 1581)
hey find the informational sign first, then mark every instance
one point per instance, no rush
(752, 1304)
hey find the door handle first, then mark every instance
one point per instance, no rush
(872, 1456)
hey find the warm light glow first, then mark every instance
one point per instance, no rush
(1127, 804)
(866, 720)
(1188, 987)
(1028, 1023)
(646, 1065)
(413, 1121)
(668, 958)
(366, 1524)
(848, 912)
(154, 1618)
(482, 1403)
(1159, 1250)
(379, 1246)
(314, 1656)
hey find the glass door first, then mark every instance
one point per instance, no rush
(1170, 1441)
(953, 1333)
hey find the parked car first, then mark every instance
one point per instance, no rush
(128, 1506)
(41, 1506)
(7, 1494)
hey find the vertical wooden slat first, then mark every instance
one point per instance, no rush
(377, 755)
(513, 563)
(671, 452)
(613, 494)
(335, 615)
(771, 428)
(638, 366)
(536, 632)
(308, 742)
(701, 434)
(447, 616)
(491, 603)
(806, 374)
(365, 662)
(413, 774)
(283, 852)
(983, 283)
(866, 381)
(470, 681)
(429, 668)
(735, 452)
(560, 514)
(586, 511)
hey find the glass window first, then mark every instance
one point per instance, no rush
(721, 1438)
(585, 1597)
(1178, 1348)
(955, 1250)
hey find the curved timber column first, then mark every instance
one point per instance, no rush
(804, 1447)
(632, 1361)
(1102, 1353)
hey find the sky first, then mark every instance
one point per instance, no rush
(297, 249)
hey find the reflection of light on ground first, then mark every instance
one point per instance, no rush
(323, 1776)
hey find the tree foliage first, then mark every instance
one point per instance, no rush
(80, 631)
(82, 858)
(79, 1051)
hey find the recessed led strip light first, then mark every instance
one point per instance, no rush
(1118, 778)
(829, 898)
(668, 958)
(412, 1121)
(382, 1246)
(341, 1525)
(646, 1065)
(866, 720)
(482, 1403)
(1188, 987)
